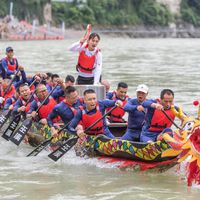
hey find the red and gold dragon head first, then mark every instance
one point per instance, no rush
(185, 143)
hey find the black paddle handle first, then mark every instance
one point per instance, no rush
(168, 117)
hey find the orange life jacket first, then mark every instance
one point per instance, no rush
(88, 120)
(86, 63)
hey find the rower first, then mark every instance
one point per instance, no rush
(54, 78)
(7, 90)
(66, 109)
(20, 77)
(156, 121)
(89, 113)
(58, 94)
(116, 116)
(9, 103)
(136, 114)
(22, 104)
(49, 81)
(9, 64)
(41, 93)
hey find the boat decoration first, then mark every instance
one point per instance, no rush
(185, 144)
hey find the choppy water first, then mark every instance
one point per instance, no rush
(159, 63)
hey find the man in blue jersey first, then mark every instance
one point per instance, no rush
(116, 116)
(157, 121)
(92, 111)
(66, 109)
(136, 113)
(58, 94)
(9, 64)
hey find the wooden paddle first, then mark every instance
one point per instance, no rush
(14, 123)
(58, 153)
(45, 143)
(6, 113)
(20, 133)
(88, 32)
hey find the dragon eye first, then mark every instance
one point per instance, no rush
(188, 126)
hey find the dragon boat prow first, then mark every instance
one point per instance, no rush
(185, 143)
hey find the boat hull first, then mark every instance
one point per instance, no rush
(137, 151)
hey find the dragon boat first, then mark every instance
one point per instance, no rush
(124, 154)
(169, 150)
(183, 144)
(130, 155)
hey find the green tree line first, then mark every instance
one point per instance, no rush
(104, 12)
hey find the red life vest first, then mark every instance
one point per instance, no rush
(88, 120)
(10, 93)
(32, 88)
(159, 121)
(12, 67)
(46, 109)
(86, 63)
(24, 104)
(117, 114)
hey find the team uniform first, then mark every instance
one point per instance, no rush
(87, 118)
(8, 67)
(9, 101)
(46, 108)
(135, 121)
(116, 116)
(65, 111)
(156, 122)
(22, 102)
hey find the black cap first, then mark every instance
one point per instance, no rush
(8, 49)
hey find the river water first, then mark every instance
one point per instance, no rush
(159, 63)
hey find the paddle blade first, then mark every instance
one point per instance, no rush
(18, 136)
(88, 31)
(4, 117)
(58, 153)
(40, 147)
(11, 128)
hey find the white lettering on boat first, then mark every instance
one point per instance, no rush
(2, 119)
(17, 136)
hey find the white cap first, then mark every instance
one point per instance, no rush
(142, 88)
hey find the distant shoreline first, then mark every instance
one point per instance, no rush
(154, 32)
